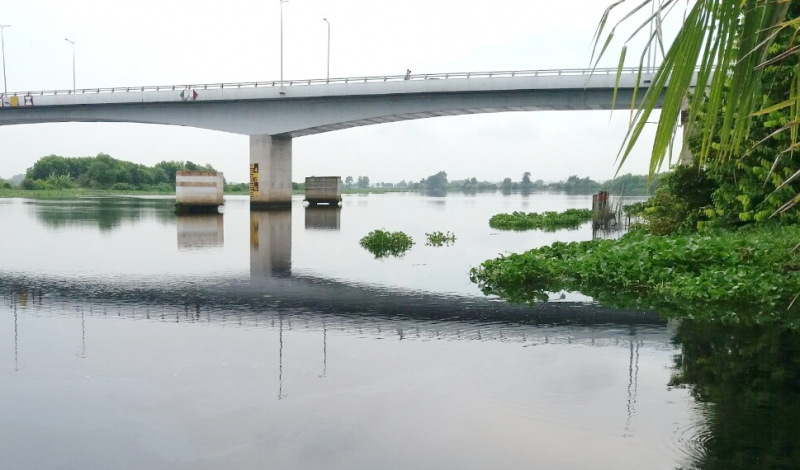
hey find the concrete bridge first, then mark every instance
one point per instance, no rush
(273, 113)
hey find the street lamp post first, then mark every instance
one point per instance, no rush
(328, 76)
(3, 47)
(73, 63)
(282, 2)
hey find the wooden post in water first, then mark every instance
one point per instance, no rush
(600, 211)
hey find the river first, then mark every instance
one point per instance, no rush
(134, 338)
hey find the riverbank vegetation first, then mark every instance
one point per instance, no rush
(439, 184)
(718, 240)
(548, 221)
(103, 172)
(53, 173)
(716, 273)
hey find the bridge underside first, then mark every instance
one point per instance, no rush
(296, 117)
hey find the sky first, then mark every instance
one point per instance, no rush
(170, 42)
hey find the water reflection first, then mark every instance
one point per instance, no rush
(105, 213)
(323, 217)
(747, 379)
(270, 244)
(200, 231)
(404, 316)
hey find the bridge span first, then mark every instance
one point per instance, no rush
(273, 113)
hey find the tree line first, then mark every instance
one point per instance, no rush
(55, 172)
(629, 184)
(104, 172)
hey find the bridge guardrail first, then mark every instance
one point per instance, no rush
(327, 81)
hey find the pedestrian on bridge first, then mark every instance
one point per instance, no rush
(408, 74)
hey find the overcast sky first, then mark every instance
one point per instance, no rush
(150, 42)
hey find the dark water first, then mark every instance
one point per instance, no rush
(132, 338)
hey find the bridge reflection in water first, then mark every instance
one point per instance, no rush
(272, 297)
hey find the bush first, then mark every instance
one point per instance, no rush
(680, 202)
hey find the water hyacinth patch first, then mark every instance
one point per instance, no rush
(719, 275)
(382, 243)
(548, 221)
(440, 239)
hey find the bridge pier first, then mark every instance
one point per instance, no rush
(270, 171)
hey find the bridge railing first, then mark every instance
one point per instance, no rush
(345, 80)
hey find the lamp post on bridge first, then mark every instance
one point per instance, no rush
(328, 76)
(3, 47)
(282, 2)
(73, 63)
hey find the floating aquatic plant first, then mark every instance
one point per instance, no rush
(382, 243)
(440, 239)
(549, 221)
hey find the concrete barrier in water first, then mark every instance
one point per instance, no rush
(324, 190)
(198, 191)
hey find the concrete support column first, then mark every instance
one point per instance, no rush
(686, 153)
(270, 172)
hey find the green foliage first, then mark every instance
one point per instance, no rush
(471, 185)
(680, 202)
(750, 187)
(435, 183)
(382, 243)
(632, 185)
(731, 43)
(6, 184)
(440, 239)
(548, 221)
(237, 187)
(713, 275)
(577, 185)
(363, 182)
(104, 172)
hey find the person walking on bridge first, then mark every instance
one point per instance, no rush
(408, 74)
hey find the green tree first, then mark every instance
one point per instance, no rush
(731, 41)
(348, 182)
(437, 182)
(363, 182)
(632, 185)
(101, 174)
(526, 185)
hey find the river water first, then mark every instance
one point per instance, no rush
(134, 338)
